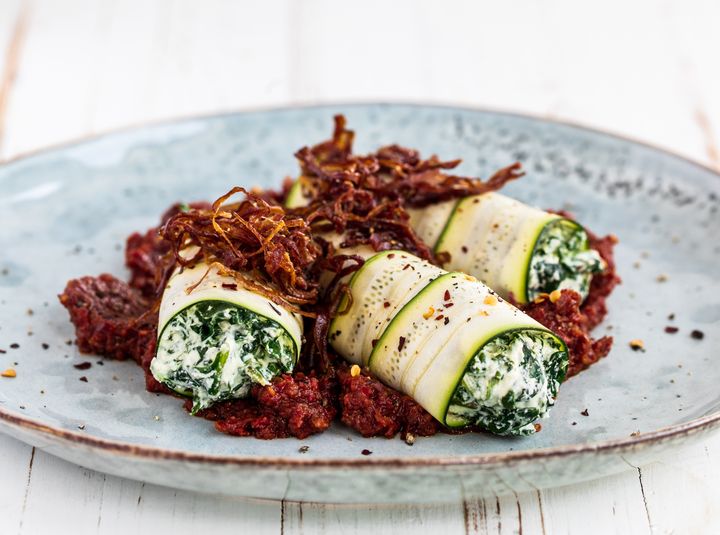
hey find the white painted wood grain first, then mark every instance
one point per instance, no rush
(90, 66)
(681, 499)
(646, 69)
(14, 481)
(13, 31)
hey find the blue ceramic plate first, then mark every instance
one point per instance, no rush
(66, 212)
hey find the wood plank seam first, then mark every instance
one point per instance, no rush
(102, 498)
(540, 510)
(645, 502)
(27, 489)
(12, 63)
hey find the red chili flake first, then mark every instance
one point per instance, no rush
(366, 452)
(697, 335)
(585, 413)
(84, 379)
(464, 249)
(448, 305)
(386, 304)
(2, 351)
(671, 330)
(14, 346)
(406, 266)
(391, 255)
(229, 285)
(401, 343)
(538, 428)
(83, 366)
(374, 342)
(439, 317)
(447, 295)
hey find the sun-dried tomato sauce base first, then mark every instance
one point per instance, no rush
(143, 254)
(602, 284)
(565, 318)
(375, 410)
(297, 405)
(115, 319)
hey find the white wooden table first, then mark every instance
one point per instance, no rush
(73, 68)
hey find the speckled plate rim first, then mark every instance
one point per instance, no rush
(697, 425)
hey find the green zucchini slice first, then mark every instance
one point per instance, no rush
(430, 221)
(451, 331)
(518, 250)
(300, 193)
(379, 288)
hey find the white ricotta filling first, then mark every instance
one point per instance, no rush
(214, 351)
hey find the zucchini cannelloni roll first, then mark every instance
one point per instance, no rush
(216, 339)
(517, 250)
(466, 355)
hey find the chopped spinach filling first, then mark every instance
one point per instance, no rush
(214, 351)
(562, 259)
(511, 382)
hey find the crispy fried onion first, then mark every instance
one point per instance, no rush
(256, 243)
(366, 197)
